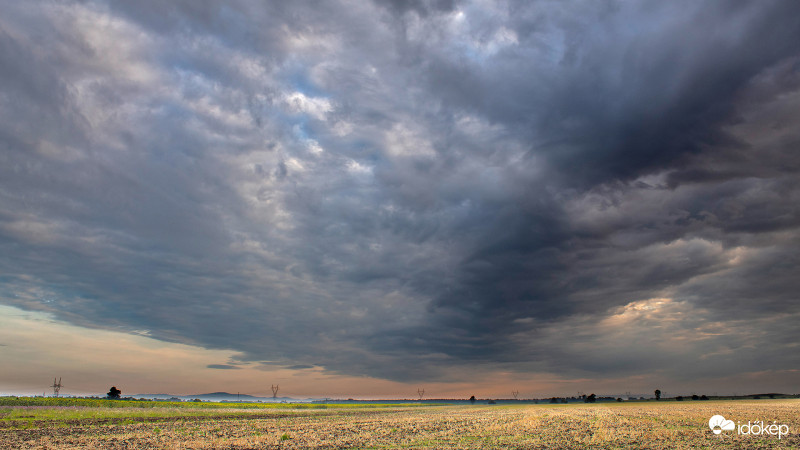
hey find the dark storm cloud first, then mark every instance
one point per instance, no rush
(620, 90)
(422, 8)
(223, 366)
(400, 189)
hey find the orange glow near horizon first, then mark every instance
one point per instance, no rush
(34, 348)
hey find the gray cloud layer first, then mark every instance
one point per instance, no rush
(403, 189)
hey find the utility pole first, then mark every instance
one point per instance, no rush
(274, 391)
(515, 394)
(56, 387)
(421, 392)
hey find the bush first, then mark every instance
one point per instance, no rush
(114, 393)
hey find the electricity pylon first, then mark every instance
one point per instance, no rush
(56, 387)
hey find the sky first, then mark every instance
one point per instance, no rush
(365, 198)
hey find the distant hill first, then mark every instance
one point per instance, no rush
(215, 397)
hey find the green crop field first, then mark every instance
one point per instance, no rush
(87, 423)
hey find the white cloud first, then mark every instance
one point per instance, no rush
(299, 103)
(404, 141)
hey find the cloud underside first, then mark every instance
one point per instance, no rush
(405, 189)
(223, 366)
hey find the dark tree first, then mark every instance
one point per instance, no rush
(591, 398)
(658, 394)
(472, 399)
(695, 397)
(114, 393)
(679, 398)
(554, 400)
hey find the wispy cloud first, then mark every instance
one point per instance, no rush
(223, 366)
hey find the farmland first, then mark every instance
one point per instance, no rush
(77, 423)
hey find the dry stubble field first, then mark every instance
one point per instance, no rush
(602, 425)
